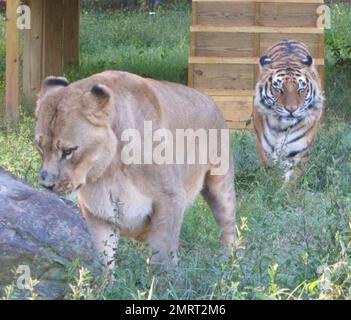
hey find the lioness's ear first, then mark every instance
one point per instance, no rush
(97, 104)
(101, 94)
(52, 83)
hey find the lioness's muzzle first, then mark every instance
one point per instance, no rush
(47, 180)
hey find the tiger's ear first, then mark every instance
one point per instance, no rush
(97, 104)
(52, 83)
(307, 61)
(264, 61)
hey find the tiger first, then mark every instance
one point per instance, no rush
(288, 105)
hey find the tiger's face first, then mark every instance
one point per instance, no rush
(286, 93)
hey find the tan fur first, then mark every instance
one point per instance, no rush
(144, 202)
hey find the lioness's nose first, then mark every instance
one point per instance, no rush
(46, 180)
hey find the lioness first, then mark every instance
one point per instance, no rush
(78, 133)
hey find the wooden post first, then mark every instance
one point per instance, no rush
(12, 60)
(53, 38)
(257, 39)
(321, 69)
(71, 34)
(32, 55)
(192, 46)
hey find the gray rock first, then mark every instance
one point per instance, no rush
(39, 230)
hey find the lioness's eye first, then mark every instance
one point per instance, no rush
(68, 152)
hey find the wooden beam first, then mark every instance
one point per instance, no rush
(223, 92)
(256, 45)
(12, 60)
(192, 46)
(71, 14)
(223, 60)
(321, 56)
(53, 38)
(257, 29)
(247, 98)
(32, 54)
(239, 60)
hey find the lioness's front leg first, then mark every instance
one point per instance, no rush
(166, 223)
(104, 236)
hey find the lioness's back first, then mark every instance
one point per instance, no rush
(185, 106)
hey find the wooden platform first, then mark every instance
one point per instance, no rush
(229, 36)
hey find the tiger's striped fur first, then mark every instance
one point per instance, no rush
(288, 105)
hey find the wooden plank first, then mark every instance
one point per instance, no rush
(227, 60)
(224, 45)
(12, 60)
(232, 93)
(321, 69)
(192, 46)
(236, 111)
(256, 29)
(268, 1)
(225, 14)
(288, 15)
(232, 99)
(257, 39)
(223, 76)
(53, 38)
(221, 60)
(32, 53)
(71, 12)
(311, 41)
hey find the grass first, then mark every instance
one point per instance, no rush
(152, 46)
(295, 239)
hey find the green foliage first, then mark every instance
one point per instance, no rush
(115, 5)
(111, 5)
(338, 60)
(18, 153)
(294, 238)
(339, 37)
(151, 46)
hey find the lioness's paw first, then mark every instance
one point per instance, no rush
(163, 262)
(228, 239)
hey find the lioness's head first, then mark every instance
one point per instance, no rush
(73, 134)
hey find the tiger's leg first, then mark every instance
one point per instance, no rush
(259, 129)
(293, 168)
(261, 153)
(219, 193)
